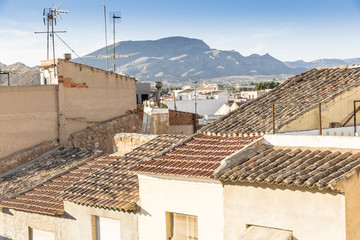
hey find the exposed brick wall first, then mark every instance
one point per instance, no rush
(25, 155)
(100, 136)
(69, 83)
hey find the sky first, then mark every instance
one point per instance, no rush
(288, 30)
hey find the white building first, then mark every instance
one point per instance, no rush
(203, 101)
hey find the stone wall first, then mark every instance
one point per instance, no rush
(126, 142)
(100, 136)
(179, 122)
(25, 155)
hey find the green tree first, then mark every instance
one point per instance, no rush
(265, 85)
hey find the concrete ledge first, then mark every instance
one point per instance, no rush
(312, 141)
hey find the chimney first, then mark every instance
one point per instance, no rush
(158, 86)
(67, 56)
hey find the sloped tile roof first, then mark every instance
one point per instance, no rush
(197, 157)
(33, 187)
(42, 199)
(301, 167)
(40, 171)
(113, 186)
(294, 97)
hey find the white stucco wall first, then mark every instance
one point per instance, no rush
(204, 106)
(310, 215)
(75, 224)
(81, 228)
(15, 224)
(200, 198)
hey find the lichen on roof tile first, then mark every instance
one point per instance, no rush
(113, 186)
(296, 95)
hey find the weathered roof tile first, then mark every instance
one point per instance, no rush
(112, 186)
(294, 97)
(309, 168)
(197, 157)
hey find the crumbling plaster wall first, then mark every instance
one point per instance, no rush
(179, 122)
(126, 142)
(100, 136)
(16, 224)
(75, 224)
(90, 95)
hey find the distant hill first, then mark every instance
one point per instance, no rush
(180, 59)
(20, 74)
(322, 63)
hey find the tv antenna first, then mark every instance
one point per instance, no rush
(106, 44)
(115, 16)
(50, 18)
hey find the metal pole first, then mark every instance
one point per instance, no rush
(354, 118)
(320, 125)
(53, 42)
(47, 38)
(106, 47)
(195, 109)
(273, 117)
(114, 39)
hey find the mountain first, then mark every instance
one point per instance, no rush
(322, 63)
(180, 59)
(20, 74)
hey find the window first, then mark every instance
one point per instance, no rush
(36, 234)
(105, 228)
(181, 227)
(144, 97)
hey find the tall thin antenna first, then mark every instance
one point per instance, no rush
(106, 45)
(114, 17)
(50, 16)
(195, 83)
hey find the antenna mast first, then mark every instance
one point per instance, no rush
(106, 45)
(50, 16)
(114, 16)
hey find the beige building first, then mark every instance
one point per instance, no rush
(226, 182)
(178, 198)
(305, 185)
(292, 187)
(81, 96)
(76, 193)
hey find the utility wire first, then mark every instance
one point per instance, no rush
(70, 49)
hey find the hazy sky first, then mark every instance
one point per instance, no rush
(286, 29)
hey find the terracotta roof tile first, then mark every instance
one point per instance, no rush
(27, 193)
(112, 186)
(309, 168)
(197, 157)
(298, 94)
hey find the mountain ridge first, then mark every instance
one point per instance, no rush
(20, 74)
(180, 59)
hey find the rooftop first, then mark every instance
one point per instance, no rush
(33, 187)
(303, 91)
(113, 186)
(199, 157)
(310, 162)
